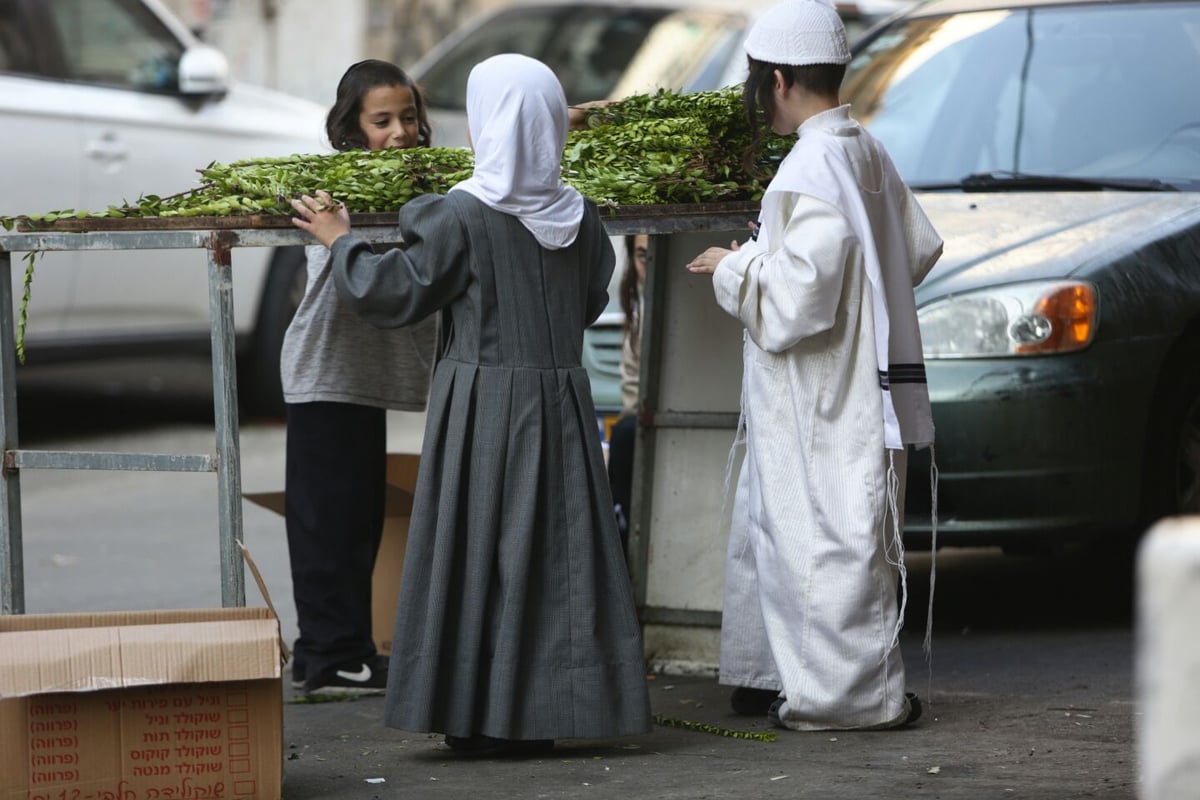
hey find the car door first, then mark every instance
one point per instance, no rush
(41, 161)
(139, 136)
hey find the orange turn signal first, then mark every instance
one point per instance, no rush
(1071, 311)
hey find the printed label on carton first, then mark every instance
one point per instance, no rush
(173, 742)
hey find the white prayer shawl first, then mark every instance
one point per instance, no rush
(517, 114)
(846, 168)
(810, 595)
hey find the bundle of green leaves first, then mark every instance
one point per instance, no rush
(671, 148)
(650, 149)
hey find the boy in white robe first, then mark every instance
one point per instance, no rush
(833, 391)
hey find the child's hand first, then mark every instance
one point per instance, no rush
(707, 261)
(321, 217)
(577, 115)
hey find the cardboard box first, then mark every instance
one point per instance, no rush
(385, 581)
(141, 705)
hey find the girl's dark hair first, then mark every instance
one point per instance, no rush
(758, 96)
(628, 293)
(342, 123)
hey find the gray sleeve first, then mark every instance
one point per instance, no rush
(316, 257)
(602, 264)
(407, 283)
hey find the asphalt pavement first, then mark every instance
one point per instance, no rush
(1004, 722)
(1029, 693)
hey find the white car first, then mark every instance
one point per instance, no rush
(102, 101)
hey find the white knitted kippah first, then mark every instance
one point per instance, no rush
(799, 32)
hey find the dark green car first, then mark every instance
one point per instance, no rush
(1056, 147)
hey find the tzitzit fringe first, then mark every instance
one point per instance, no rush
(927, 644)
(893, 545)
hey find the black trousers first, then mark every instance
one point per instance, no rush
(334, 497)
(620, 472)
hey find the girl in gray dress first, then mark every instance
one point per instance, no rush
(516, 623)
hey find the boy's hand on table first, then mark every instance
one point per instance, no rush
(706, 263)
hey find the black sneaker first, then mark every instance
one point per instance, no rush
(773, 712)
(751, 702)
(298, 671)
(914, 708)
(359, 678)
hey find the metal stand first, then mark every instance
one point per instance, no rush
(219, 235)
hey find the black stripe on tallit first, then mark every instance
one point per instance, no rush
(902, 373)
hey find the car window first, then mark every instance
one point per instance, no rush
(116, 43)
(685, 50)
(15, 53)
(591, 52)
(588, 48)
(1087, 91)
(727, 53)
(445, 83)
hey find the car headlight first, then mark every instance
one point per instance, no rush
(1019, 319)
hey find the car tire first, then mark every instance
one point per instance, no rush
(1171, 471)
(261, 391)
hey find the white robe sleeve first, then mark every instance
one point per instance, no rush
(924, 243)
(792, 291)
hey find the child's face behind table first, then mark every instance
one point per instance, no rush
(641, 255)
(389, 118)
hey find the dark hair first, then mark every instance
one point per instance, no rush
(758, 96)
(342, 123)
(629, 295)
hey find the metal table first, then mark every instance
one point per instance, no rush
(218, 236)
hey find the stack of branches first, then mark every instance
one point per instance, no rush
(671, 148)
(365, 180)
(649, 149)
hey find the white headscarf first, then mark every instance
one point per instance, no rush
(517, 114)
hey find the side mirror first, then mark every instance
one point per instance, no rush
(203, 70)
